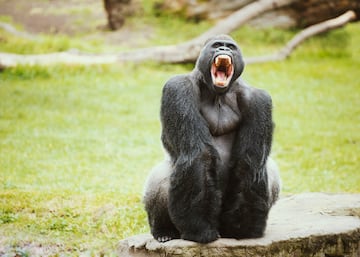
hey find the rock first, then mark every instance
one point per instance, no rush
(311, 224)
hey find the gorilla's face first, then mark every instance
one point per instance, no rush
(220, 62)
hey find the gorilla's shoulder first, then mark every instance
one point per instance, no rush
(178, 84)
(178, 80)
(254, 96)
(261, 95)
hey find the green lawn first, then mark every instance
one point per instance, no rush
(76, 143)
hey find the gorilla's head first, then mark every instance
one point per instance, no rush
(220, 63)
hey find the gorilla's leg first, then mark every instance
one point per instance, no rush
(195, 197)
(274, 181)
(156, 203)
(245, 213)
(246, 209)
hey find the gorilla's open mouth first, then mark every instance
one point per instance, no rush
(222, 70)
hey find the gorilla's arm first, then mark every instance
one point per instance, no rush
(194, 200)
(184, 131)
(254, 137)
(246, 204)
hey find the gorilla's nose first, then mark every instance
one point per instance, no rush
(224, 48)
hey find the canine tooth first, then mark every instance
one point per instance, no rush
(229, 61)
(217, 61)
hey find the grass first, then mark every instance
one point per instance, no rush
(76, 143)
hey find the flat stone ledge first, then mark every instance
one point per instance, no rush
(311, 224)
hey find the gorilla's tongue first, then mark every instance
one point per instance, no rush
(221, 76)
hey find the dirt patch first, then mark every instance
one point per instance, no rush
(55, 16)
(72, 17)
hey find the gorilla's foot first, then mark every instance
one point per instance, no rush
(245, 234)
(242, 230)
(165, 236)
(204, 237)
(163, 239)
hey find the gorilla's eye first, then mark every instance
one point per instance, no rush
(217, 45)
(232, 46)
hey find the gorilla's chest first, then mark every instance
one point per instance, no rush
(221, 113)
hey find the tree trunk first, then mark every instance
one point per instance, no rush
(302, 13)
(118, 10)
(308, 12)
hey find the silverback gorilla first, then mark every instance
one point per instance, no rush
(217, 179)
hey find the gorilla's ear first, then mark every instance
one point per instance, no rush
(219, 37)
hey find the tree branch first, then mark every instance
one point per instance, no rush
(302, 36)
(180, 53)
(12, 30)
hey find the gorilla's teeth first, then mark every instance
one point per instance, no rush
(222, 60)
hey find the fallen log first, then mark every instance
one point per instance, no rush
(181, 53)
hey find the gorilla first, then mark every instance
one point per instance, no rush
(217, 179)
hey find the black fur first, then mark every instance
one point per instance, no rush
(213, 188)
